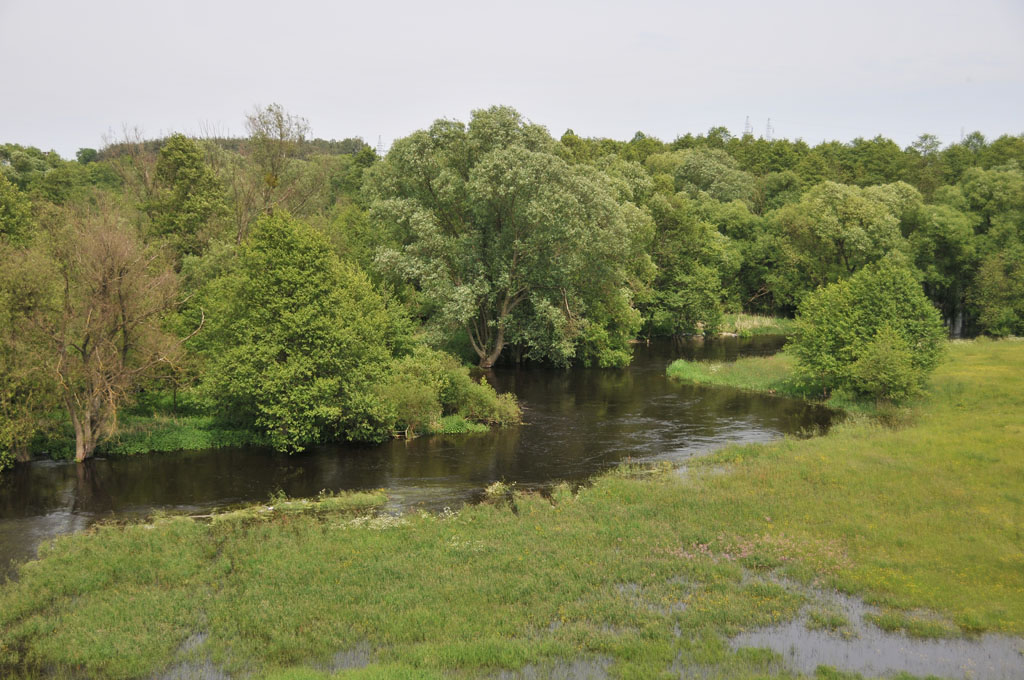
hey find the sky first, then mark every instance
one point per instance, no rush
(77, 74)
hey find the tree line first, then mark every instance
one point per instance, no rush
(311, 291)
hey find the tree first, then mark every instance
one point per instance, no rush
(186, 194)
(945, 251)
(26, 387)
(508, 242)
(705, 170)
(270, 175)
(925, 167)
(832, 232)
(691, 258)
(998, 292)
(274, 139)
(93, 311)
(297, 340)
(843, 327)
(86, 155)
(15, 214)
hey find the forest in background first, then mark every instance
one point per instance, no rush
(302, 290)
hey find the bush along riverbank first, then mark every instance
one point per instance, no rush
(644, 573)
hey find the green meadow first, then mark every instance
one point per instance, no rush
(644, 573)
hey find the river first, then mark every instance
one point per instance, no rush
(577, 422)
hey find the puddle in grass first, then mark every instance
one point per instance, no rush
(358, 656)
(579, 669)
(195, 666)
(860, 647)
(200, 670)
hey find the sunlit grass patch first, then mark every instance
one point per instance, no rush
(772, 374)
(746, 325)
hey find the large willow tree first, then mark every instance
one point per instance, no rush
(505, 239)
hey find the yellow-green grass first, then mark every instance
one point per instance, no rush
(774, 374)
(647, 571)
(763, 374)
(746, 325)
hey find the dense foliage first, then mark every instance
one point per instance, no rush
(510, 243)
(874, 333)
(297, 339)
(303, 288)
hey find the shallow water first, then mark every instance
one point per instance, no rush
(868, 650)
(578, 422)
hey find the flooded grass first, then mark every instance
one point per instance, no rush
(846, 638)
(642, 574)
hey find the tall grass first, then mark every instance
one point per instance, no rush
(746, 325)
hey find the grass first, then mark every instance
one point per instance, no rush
(775, 375)
(746, 325)
(771, 374)
(646, 571)
(457, 424)
(163, 432)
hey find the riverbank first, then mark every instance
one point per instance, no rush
(156, 425)
(775, 375)
(643, 571)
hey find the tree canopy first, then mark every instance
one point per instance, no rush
(506, 240)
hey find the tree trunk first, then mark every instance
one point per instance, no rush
(85, 435)
(488, 361)
(22, 454)
(958, 318)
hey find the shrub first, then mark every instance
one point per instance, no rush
(297, 340)
(886, 368)
(874, 333)
(427, 386)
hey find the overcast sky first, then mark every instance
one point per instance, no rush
(75, 72)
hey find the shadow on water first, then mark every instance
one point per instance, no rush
(577, 423)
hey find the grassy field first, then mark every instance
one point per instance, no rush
(645, 572)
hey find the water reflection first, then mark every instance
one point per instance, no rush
(577, 423)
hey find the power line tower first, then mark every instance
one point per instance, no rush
(769, 130)
(748, 129)
(380, 147)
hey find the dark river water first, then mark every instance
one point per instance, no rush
(577, 423)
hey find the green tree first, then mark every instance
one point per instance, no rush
(187, 194)
(15, 214)
(86, 155)
(885, 369)
(832, 232)
(507, 241)
(996, 195)
(90, 307)
(944, 249)
(691, 258)
(884, 304)
(997, 292)
(297, 340)
(27, 392)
